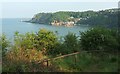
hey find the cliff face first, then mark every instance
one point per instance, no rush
(104, 17)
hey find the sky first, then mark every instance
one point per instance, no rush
(59, 0)
(27, 9)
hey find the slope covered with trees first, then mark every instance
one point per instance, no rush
(59, 16)
(108, 18)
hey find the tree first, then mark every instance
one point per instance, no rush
(70, 44)
(99, 38)
(46, 41)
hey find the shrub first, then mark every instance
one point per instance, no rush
(71, 42)
(24, 41)
(46, 41)
(69, 45)
(66, 46)
(99, 38)
(4, 43)
(43, 40)
(21, 60)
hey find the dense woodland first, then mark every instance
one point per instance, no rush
(107, 18)
(30, 48)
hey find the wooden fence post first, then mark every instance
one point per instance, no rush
(75, 59)
(47, 63)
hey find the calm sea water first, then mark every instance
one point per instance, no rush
(11, 25)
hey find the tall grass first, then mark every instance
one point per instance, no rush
(87, 62)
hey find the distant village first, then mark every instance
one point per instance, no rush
(71, 22)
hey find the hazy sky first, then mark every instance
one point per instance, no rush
(28, 9)
(59, 0)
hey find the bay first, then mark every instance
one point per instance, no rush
(11, 25)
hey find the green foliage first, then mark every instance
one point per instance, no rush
(60, 16)
(42, 18)
(99, 38)
(4, 43)
(46, 40)
(24, 41)
(34, 47)
(107, 18)
(86, 62)
(69, 45)
(47, 18)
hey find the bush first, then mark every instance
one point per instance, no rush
(99, 38)
(27, 51)
(4, 43)
(69, 45)
(46, 40)
(71, 42)
(21, 60)
(24, 41)
(43, 40)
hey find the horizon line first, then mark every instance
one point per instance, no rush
(64, 11)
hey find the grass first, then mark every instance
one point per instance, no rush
(86, 62)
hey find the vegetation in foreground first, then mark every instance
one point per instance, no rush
(101, 44)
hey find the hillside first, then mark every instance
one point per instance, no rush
(107, 18)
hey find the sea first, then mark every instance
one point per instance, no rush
(9, 26)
